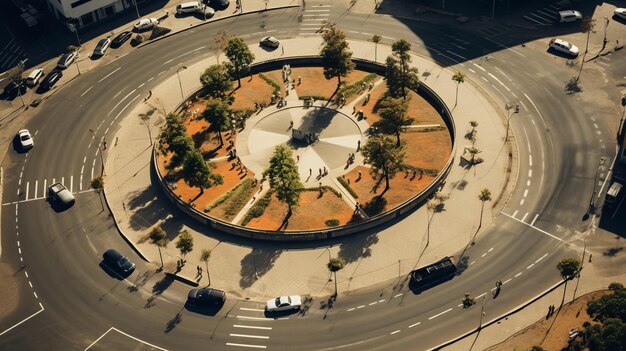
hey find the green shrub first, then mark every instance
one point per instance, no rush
(332, 222)
(316, 97)
(258, 208)
(271, 82)
(353, 88)
(346, 185)
(239, 195)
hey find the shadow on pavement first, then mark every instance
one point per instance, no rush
(256, 264)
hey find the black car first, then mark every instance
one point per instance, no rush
(206, 296)
(11, 89)
(115, 260)
(51, 79)
(434, 272)
(218, 4)
(121, 39)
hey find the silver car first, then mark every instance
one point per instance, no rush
(284, 303)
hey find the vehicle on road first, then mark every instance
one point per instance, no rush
(284, 303)
(564, 47)
(67, 59)
(102, 47)
(569, 16)
(51, 79)
(188, 7)
(620, 12)
(34, 77)
(14, 88)
(121, 39)
(145, 24)
(206, 296)
(115, 260)
(270, 42)
(26, 140)
(60, 195)
(434, 272)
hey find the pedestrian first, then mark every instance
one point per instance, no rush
(310, 172)
(299, 80)
(290, 124)
(320, 172)
(253, 198)
(325, 172)
(283, 48)
(105, 144)
(353, 109)
(359, 175)
(297, 158)
(116, 138)
(358, 145)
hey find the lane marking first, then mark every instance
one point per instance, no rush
(531, 266)
(517, 275)
(246, 345)
(541, 258)
(86, 91)
(395, 332)
(534, 219)
(24, 320)
(360, 307)
(251, 327)
(542, 231)
(524, 218)
(128, 335)
(439, 314)
(415, 324)
(397, 295)
(250, 336)
(108, 75)
(257, 318)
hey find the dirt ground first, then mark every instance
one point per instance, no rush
(310, 214)
(552, 333)
(253, 89)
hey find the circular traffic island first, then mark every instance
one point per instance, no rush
(295, 158)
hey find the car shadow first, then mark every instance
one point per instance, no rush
(17, 147)
(267, 48)
(207, 310)
(560, 54)
(281, 314)
(57, 206)
(112, 273)
(417, 289)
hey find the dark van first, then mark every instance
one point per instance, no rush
(434, 272)
(206, 296)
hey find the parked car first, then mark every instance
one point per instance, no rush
(613, 195)
(206, 11)
(60, 195)
(115, 260)
(34, 77)
(12, 89)
(121, 39)
(620, 12)
(284, 303)
(219, 4)
(434, 272)
(51, 79)
(102, 47)
(67, 59)
(188, 7)
(564, 47)
(206, 296)
(569, 16)
(270, 42)
(145, 23)
(26, 140)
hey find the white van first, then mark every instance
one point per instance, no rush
(613, 195)
(34, 77)
(188, 7)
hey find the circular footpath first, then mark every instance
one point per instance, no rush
(326, 141)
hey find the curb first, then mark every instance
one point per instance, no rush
(1, 186)
(216, 20)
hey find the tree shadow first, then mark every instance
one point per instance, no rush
(612, 251)
(163, 284)
(317, 119)
(141, 280)
(256, 264)
(375, 206)
(572, 86)
(359, 246)
(140, 198)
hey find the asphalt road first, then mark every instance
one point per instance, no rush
(60, 253)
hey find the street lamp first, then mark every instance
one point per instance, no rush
(93, 134)
(182, 96)
(71, 23)
(508, 107)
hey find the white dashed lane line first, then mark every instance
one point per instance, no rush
(439, 314)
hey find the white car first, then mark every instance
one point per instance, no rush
(26, 140)
(206, 11)
(66, 59)
(145, 23)
(620, 12)
(564, 47)
(570, 16)
(102, 47)
(270, 42)
(284, 303)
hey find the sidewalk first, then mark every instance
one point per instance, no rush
(259, 270)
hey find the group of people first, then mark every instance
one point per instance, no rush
(350, 161)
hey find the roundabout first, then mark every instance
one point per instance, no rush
(519, 241)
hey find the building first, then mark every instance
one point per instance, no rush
(88, 12)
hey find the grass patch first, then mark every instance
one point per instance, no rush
(236, 197)
(258, 208)
(315, 97)
(355, 87)
(345, 184)
(271, 82)
(332, 222)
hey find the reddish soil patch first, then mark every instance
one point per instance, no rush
(315, 84)
(253, 89)
(427, 149)
(311, 213)
(401, 188)
(572, 315)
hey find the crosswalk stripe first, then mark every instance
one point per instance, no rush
(548, 14)
(27, 184)
(71, 184)
(45, 185)
(36, 185)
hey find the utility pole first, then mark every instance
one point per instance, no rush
(180, 83)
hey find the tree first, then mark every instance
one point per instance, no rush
(172, 129)
(385, 158)
(184, 243)
(334, 265)
(97, 184)
(159, 239)
(216, 81)
(586, 26)
(284, 177)
(393, 117)
(204, 257)
(376, 38)
(336, 58)
(217, 113)
(609, 306)
(459, 78)
(484, 196)
(181, 146)
(569, 267)
(198, 174)
(240, 58)
(400, 76)
(474, 151)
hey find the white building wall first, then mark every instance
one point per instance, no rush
(64, 7)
